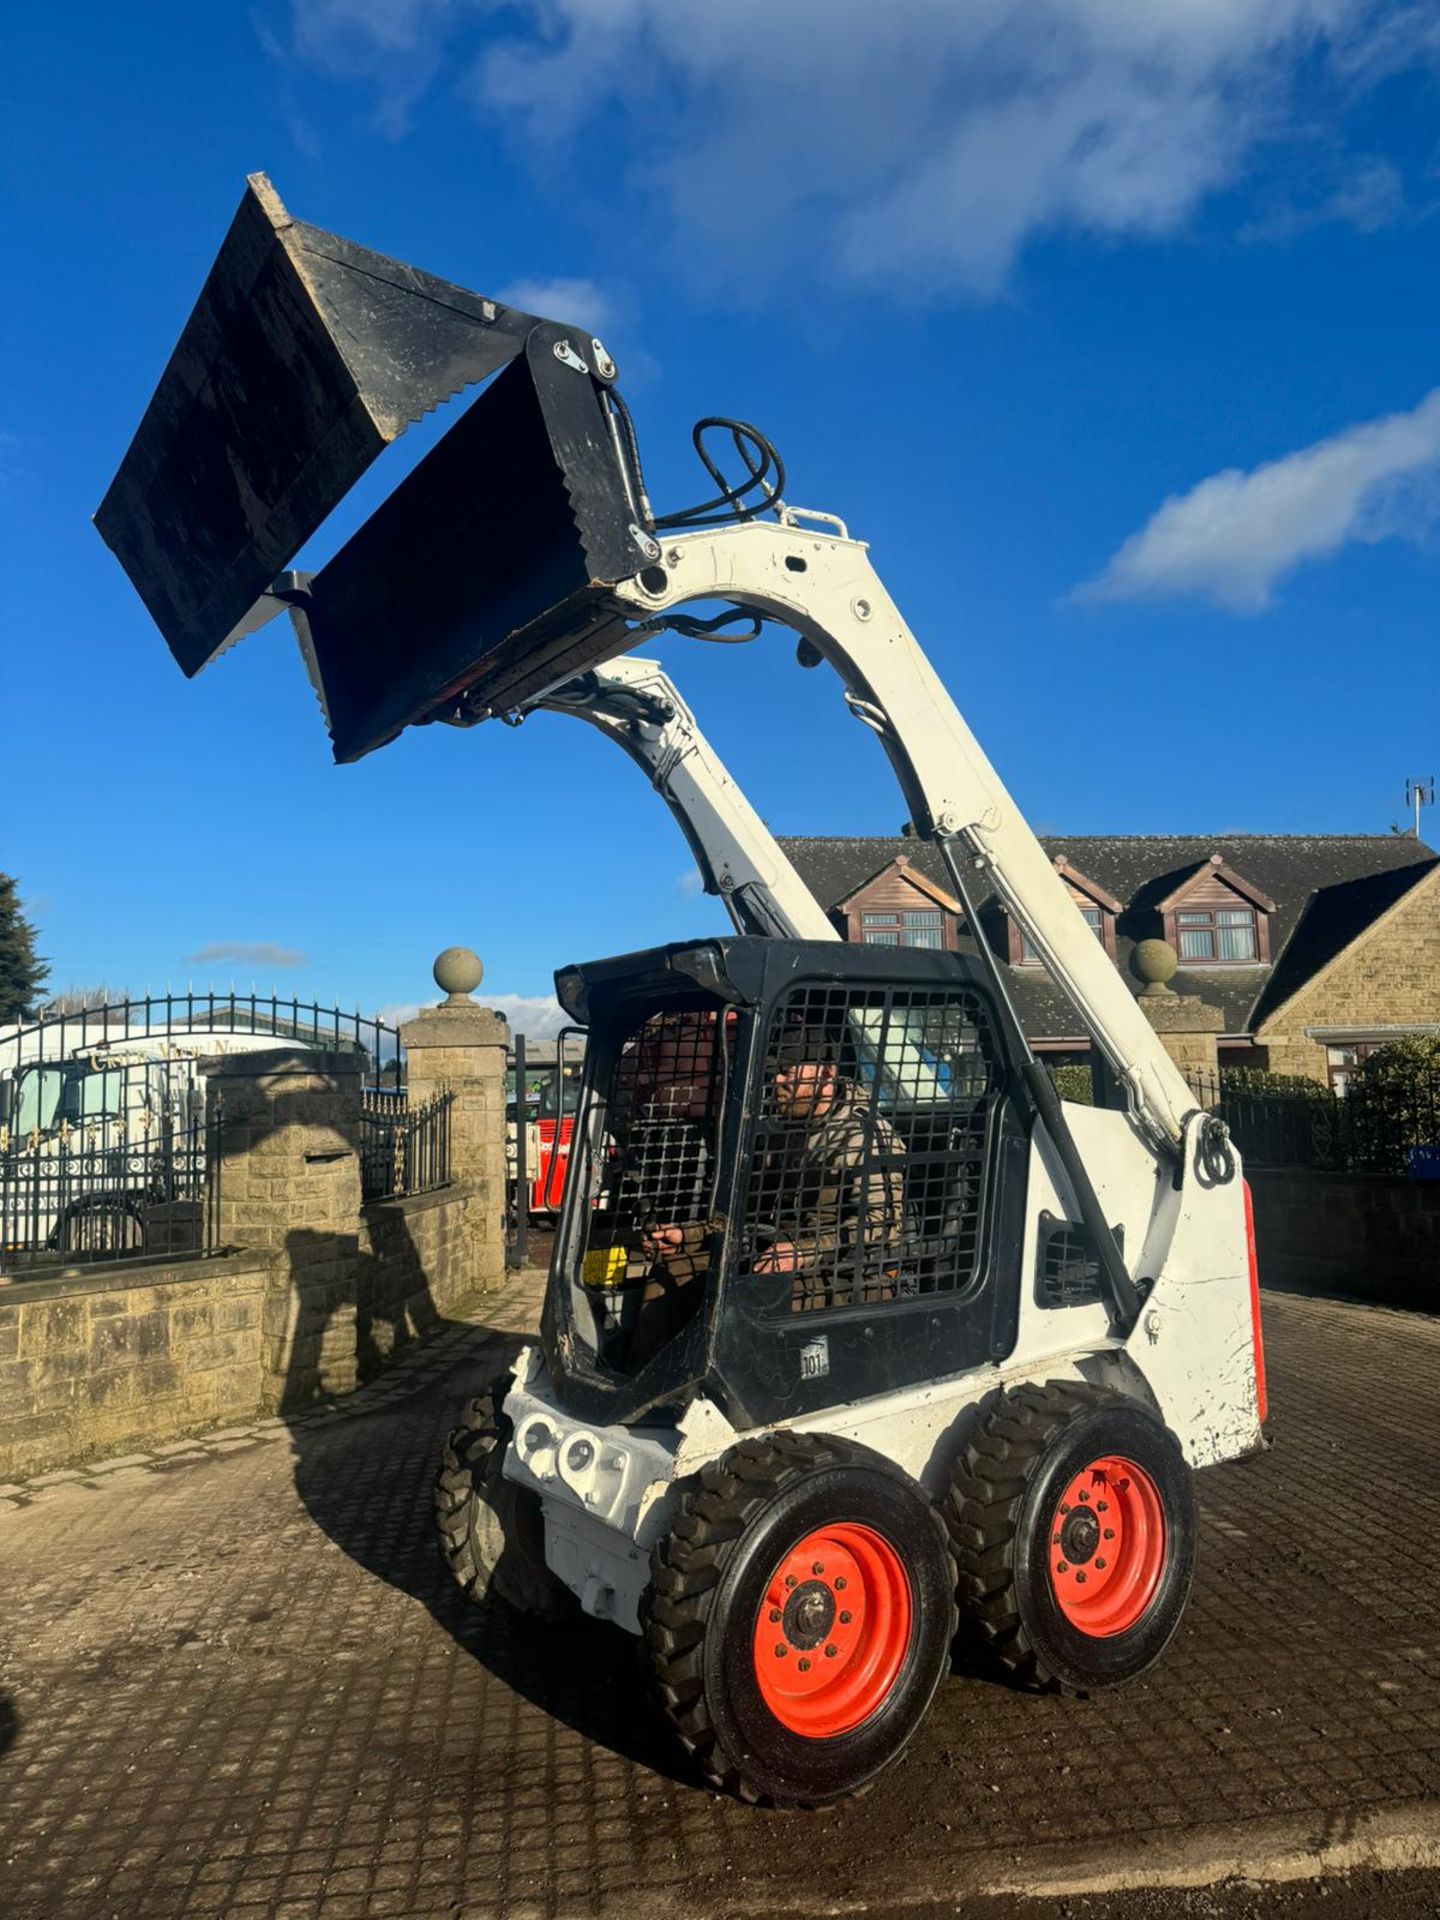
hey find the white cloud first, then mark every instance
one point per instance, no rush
(1234, 536)
(576, 300)
(914, 147)
(690, 882)
(539, 1016)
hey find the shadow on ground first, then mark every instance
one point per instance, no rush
(366, 1480)
(9, 1724)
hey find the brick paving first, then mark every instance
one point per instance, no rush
(236, 1682)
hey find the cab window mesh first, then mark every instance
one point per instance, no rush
(654, 1162)
(878, 1112)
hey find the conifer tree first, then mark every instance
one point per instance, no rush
(22, 972)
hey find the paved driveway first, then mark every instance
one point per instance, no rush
(235, 1682)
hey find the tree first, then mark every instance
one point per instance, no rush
(22, 971)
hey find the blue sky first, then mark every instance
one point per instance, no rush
(1111, 326)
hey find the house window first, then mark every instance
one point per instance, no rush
(921, 927)
(1343, 1062)
(1090, 915)
(1217, 934)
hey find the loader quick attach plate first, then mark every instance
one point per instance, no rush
(485, 572)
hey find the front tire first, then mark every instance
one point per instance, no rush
(799, 1618)
(492, 1533)
(1072, 1516)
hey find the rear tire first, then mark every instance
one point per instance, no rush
(492, 1533)
(1072, 1516)
(799, 1617)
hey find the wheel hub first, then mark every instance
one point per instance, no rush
(1079, 1536)
(809, 1615)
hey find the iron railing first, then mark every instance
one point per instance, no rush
(1380, 1124)
(190, 1016)
(107, 1190)
(403, 1149)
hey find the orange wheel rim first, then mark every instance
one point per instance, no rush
(832, 1631)
(1106, 1547)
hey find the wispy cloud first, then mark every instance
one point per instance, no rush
(578, 300)
(915, 148)
(1369, 195)
(249, 953)
(690, 883)
(1233, 537)
(539, 1016)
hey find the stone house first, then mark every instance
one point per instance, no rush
(1315, 948)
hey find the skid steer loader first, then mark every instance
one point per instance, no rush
(855, 1335)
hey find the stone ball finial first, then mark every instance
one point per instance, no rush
(457, 973)
(1154, 962)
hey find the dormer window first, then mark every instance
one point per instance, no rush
(899, 907)
(1216, 918)
(1097, 908)
(1227, 933)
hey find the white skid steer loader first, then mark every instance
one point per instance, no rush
(855, 1336)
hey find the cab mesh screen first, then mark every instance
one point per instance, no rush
(878, 1115)
(654, 1162)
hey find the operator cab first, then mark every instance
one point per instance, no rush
(797, 1176)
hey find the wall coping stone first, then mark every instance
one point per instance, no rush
(408, 1203)
(462, 1026)
(266, 1062)
(118, 1276)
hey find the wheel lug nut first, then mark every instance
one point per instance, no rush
(1102, 1506)
(804, 1666)
(1100, 1564)
(1054, 1539)
(790, 1580)
(817, 1568)
(844, 1619)
(840, 1584)
(1080, 1579)
(830, 1653)
(1064, 1567)
(774, 1616)
(1084, 1496)
(1064, 1506)
(780, 1651)
(1109, 1533)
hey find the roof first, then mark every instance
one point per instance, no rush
(1327, 889)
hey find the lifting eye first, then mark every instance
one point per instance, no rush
(794, 563)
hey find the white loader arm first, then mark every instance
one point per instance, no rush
(824, 586)
(635, 704)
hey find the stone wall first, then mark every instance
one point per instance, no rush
(115, 1357)
(1376, 1235)
(1388, 977)
(415, 1270)
(326, 1292)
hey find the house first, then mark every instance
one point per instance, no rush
(1316, 948)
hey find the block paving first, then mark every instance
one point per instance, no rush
(234, 1680)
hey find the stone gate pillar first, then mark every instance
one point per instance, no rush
(1186, 1024)
(290, 1187)
(463, 1049)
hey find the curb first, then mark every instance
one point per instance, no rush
(1284, 1849)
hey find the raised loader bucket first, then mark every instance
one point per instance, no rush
(483, 574)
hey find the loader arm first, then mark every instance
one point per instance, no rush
(824, 586)
(636, 704)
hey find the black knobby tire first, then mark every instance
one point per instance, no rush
(492, 1533)
(711, 1574)
(1004, 1513)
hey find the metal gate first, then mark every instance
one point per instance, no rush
(541, 1103)
(106, 1148)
